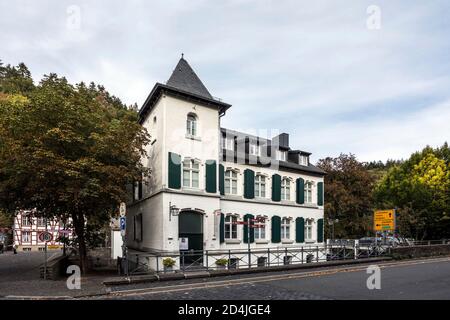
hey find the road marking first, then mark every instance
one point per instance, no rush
(251, 280)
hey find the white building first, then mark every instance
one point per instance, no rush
(28, 227)
(216, 177)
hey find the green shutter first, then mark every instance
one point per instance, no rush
(300, 191)
(320, 194)
(222, 228)
(174, 171)
(211, 176)
(320, 230)
(249, 184)
(222, 179)
(300, 230)
(276, 229)
(247, 219)
(276, 187)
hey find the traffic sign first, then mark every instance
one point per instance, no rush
(45, 237)
(123, 209)
(384, 220)
(123, 224)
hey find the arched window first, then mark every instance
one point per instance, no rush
(285, 189)
(191, 173)
(191, 125)
(231, 182)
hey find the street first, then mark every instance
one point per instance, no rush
(416, 279)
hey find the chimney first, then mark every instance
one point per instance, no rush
(282, 140)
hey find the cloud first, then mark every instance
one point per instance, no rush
(311, 69)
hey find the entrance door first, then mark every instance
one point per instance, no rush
(190, 226)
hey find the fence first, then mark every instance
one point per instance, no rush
(207, 260)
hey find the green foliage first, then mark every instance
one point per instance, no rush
(67, 150)
(222, 262)
(168, 262)
(420, 190)
(15, 80)
(348, 196)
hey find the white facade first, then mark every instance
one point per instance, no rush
(151, 227)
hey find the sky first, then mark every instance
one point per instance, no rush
(370, 78)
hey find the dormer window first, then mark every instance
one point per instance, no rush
(228, 143)
(281, 155)
(303, 160)
(254, 149)
(191, 125)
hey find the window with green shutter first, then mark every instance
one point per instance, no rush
(174, 171)
(249, 184)
(300, 230)
(211, 173)
(320, 194)
(276, 187)
(300, 191)
(222, 228)
(276, 229)
(222, 179)
(247, 219)
(320, 230)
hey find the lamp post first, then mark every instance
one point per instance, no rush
(173, 211)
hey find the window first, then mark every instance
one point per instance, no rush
(260, 232)
(230, 227)
(303, 160)
(231, 180)
(41, 222)
(285, 189)
(308, 229)
(26, 221)
(260, 186)
(308, 192)
(228, 143)
(285, 228)
(191, 172)
(26, 236)
(281, 155)
(254, 149)
(191, 125)
(137, 227)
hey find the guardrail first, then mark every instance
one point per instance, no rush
(207, 260)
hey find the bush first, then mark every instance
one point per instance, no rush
(222, 262)
(168, 262)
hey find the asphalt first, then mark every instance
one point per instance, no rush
(427, 279)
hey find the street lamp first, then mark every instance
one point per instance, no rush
(173, 211)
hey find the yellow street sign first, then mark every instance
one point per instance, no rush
(384, 220)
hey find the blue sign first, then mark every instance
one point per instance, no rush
(122, 223)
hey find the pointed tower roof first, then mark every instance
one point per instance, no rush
(184, 78)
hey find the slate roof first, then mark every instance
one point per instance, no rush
(184, 78)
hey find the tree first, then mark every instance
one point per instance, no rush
(15, 79)
(68, 152)
(348, 194)
(420, 190)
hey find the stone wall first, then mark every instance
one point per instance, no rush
(420, 251)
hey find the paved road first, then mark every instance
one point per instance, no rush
(418, 279)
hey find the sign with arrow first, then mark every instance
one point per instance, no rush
(384, 220)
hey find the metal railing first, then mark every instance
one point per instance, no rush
(210, 260)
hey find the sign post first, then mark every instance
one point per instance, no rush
(123, 227)
(384, 221)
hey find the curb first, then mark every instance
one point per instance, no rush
(221, 273)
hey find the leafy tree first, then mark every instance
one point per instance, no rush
(15, 79)
(420, 190)
(68, 151)
(348, 195)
